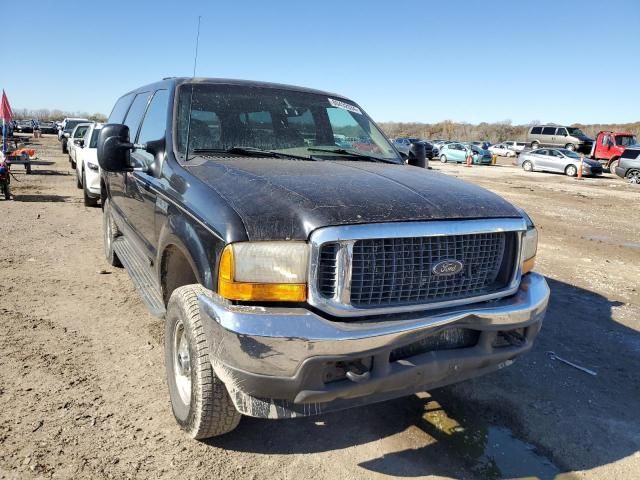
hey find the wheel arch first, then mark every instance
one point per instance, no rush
(185, 256)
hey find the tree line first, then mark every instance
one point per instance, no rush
(493, 132)
(46, 115)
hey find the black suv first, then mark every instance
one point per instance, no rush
(300, 265)
(629, 165)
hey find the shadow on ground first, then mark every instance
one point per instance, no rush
(40, 198)
(460, 440)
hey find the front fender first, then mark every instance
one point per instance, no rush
(199, 247)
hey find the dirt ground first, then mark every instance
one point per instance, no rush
(83, 393)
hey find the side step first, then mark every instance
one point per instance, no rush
(141, 274)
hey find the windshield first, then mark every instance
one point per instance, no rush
(72, 124)
(575, 132)
(569, 153)
(280, 120)
(626, 140)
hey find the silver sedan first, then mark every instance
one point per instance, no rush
(558, 160)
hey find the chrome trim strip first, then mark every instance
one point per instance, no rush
(347, 235)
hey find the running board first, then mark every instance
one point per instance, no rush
(141, 274)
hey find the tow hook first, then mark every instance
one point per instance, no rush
(358, 373)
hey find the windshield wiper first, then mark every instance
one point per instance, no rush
(253, 151)
(350, 153)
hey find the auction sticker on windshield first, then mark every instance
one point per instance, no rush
(345, 106)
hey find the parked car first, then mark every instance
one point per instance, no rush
(458, 152)
(86, 165)
(608, 147)
(502, 150)
(483, 145)
(515, 146)
(570, 138)
(68, 124)
(297, 279)
(48, 127)
(629, 165)
(24, 126)
(403, 145)
(561, 160)
(75, 140)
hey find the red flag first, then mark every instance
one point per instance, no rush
(5, 109)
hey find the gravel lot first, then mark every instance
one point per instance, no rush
(83, 394)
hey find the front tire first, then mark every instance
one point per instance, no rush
(109, 233)
(200, 402)
(634, 177)
(535, 145)
(527, 166)
(570, 146)
(79, 181)
(613, 165)
(443, 159)
(571, 170)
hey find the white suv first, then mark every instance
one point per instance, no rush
(87, 169)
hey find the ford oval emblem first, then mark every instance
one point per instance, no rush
(447, 267)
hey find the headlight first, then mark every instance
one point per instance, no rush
(264, 271)
(92, 166)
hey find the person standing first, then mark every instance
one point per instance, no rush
(36, 128)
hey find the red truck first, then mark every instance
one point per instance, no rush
(608, 146)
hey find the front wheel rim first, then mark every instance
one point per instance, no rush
(635, 178)
(182, 363)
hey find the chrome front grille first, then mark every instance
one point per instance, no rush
(398, 271)
(372, 269)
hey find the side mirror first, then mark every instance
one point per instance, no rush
(67, 135)
(418, 155)
(114, 148)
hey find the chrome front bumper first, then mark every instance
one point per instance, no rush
(269, 357)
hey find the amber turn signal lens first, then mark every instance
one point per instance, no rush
(528, 265)
(250, 292)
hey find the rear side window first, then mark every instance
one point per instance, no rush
(135, 114)
(548, 131)
(536, 130)
(120, 109)
(630, 153)
(561, 131)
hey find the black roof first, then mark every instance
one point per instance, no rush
(171, 81)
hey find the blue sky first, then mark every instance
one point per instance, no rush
(552, 61)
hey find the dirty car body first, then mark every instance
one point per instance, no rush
(332, 277)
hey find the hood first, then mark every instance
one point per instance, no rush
(288, 199)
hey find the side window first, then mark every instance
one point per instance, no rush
(134, 116)
(606, 139)
(548, 131)
(630, 153)
(561, 131)
(120, 109)
(155, 121)
(543, 152)
(536, 130)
